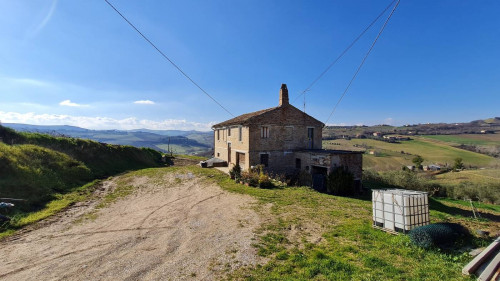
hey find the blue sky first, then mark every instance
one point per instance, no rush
(79, 63)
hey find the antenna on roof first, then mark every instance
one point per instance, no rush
(304, 103)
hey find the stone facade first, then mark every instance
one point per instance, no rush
(280, 138)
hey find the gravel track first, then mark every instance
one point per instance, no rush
(182, 228)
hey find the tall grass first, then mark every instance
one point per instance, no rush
(41, 168)
(36, 173)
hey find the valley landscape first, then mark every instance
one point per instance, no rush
(249, 140)
(175, 141)
(296, 231)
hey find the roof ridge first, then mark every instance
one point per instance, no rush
(247, 117)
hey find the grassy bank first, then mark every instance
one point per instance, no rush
(48, 172)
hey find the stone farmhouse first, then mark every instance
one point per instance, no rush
(283, 139)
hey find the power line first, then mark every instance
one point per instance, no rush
(165, 56)
(345, 51)
(363, 61)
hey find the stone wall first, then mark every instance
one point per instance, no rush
(331, 160)
(282, 162)
(283, 137)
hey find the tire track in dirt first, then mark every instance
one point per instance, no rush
(52, 259)
(167, 230)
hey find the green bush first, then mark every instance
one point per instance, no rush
(265, 181)
(487, 193)
(235, 172)
(437, 235)
(304, 178)
(340, 182)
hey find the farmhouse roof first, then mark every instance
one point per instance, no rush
(272, 115)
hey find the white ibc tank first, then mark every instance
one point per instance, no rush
(400, 210)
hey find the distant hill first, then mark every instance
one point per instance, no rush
(44, 128)
(491, 125)
(181, 142)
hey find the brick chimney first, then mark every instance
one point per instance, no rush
(283, 95)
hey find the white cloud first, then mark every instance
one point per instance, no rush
(144, 102)
(389, 121)
(337, 124)
(69, 103)
(102, 123)
(28, 81)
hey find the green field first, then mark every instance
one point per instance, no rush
(468, 139)
(390, 156)
(478, 176)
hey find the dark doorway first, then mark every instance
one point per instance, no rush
(319, 178)
(240, 159)
(264, 160)
(229, 153)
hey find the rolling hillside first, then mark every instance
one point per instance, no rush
(391, 156)
(179, 142)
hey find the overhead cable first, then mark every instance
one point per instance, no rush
(363, 61)
(345, 51)
(167, 58)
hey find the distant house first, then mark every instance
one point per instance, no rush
(432, 168)
(283, 139)
(411, 168)
(487, 132)
(377, 134)
(402, 138)
(395, 138)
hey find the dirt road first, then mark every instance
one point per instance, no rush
(173, 227)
